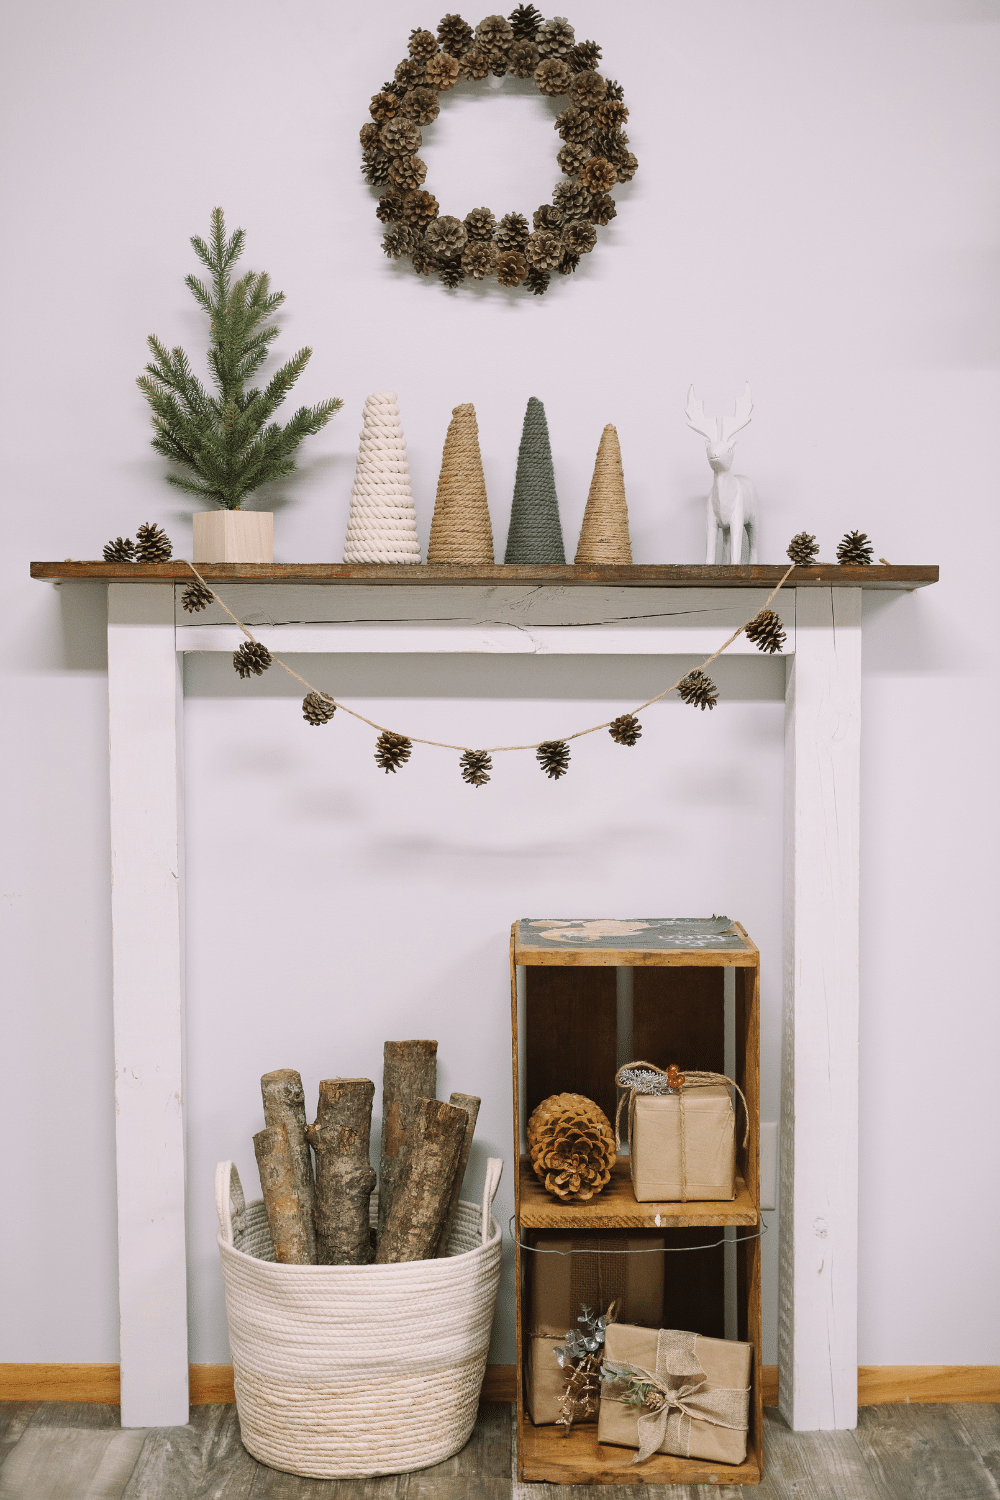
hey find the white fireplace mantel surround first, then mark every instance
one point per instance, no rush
(640, 610)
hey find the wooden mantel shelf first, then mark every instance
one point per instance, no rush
(646, 575)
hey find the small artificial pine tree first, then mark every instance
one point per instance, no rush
(228, 442)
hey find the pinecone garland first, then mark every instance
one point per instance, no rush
(575, 125)
(512, 268)
(443, 72)
(400, 137)
(407, 171)
(553, 757)
(553, 77)
(454, 35)
(584, 57)
(480, 224)
(479, 259)
(152, 545)
(196, 597)
(446, 237)
(524, 23)
(579, 237)
(537, 281)
(494, 33)
(625, 730)
(421, 104)
(399, 241)
(571, 158)
(476, 767)
(555, 37)
(318, 709)
(523, 59)
(699, 690)
(802, 550)
(392, 751)
(588, 90)
(766, 631)
(122, 549)
(598, 175)
(547, 217)
(375, 166)
(384, 106)
(602, 209)
(855, 550)
(572, 199)
(368, 135)
(544, 250)
(475, 64)
(610, 115)
(512, 232)
(423, 44)
(390, 208)
(419, 208)
(251, 659)
(572, 1147)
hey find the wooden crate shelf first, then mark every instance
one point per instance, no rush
(616, 1207)
(544, 1454)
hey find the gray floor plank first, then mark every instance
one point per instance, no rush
(981, 1421)
(70, 1463)
(77, 1414)
(923, 1451)
(203, 1461)
(812, 1465)
(272, 1484)
(14, 1418)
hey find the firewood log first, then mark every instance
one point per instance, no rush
(470, 1104)
(284, 1104)
(276, 1163)
(344, 1177)
(422, 1188)
(409, 1075)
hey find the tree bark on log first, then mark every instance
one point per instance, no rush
(409, 1074)
(276, 1164)
(422, 1189)
(344, 1177)
(284, 1104)
(470, 1104)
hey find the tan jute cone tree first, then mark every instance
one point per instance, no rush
(460, 529)
(604, 534)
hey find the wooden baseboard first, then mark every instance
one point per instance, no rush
(878, 1385)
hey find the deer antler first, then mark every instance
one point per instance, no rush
(695, 413)
(740, 417)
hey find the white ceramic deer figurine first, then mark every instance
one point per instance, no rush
(732, 504)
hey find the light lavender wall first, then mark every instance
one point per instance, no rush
(816, 211)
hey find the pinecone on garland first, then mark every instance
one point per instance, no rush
(802, 550)
(452, 274)
(572, 1147)
(699, 690)
(196, 597)
(611, 144)
(553, 757)
(251, 659)
(544, 250)
(572, 199)
(627, 167)
(399, 241)
(152, 545)
(423, 44)
(553, 77)
(390, 208)
(598, 175)
(446, 237)
(512, 268)
(569, 263)
(584, 57)
(421, 104)
(368, 135)
(318, 709)
(523, 59)
(571, 158)
(122, 549)
(454, 34)
(602, 209)
(495, 32)
(588, 90)
(476, 767)
(479, 259)
(575, 125)
(512, 232)
(766, 631)
(400, 137)
(625, 730)
(392, 751)
(547, 217)
(610, 115)
(420, 208)
(855, 550)
(615, 90)
(475, 64)
(422, 260)
(524, 23)
(375, 166)
(443, 72)
(480, 224)
(579, 237)
(409, 73)
(537, 281)
(384, 106)
(555, 37)
(407, 171)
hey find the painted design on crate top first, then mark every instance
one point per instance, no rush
(660, 933)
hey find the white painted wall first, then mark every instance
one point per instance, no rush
(815, 211)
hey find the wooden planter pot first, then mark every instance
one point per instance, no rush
(236, 536)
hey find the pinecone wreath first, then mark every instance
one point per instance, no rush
(572, 1147)
(392, 751)
(553, 757)
(251, 659)
(699, 690)
(318, 709)
(802, 550)
(196, 597)
(476, 767)
(152, 544)
(855, 551)
(122, 549)
(625, 730)
(766, 631)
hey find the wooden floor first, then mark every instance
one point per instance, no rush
(66, 1451)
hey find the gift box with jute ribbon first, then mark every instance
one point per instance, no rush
(681, 1129)
(666, 1391)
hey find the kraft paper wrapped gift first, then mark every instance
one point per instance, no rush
(682, 1130)
(562, 1282)
(705, 1389)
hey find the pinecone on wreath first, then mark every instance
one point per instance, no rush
(627, 166)
(122, 549)
(318, 709)
(419, 208)
(572, 199)
(855, 550)
(547, 217)
(512, 268)
(400, 137)
(392, 751)
(524, 23)
(196, 597)
(479, 259)
(480, 224)
(512, 232)
(802, 550)
(454, 34)
(588, 90)
(409, 73)
(584, 57)
(571, 158)
(152, 545)
(598, 175)
(368, 135)
(523, 59)
(572, 1147)
(384, 106)
(443, 72)
(537, 281)
(423, 44)
(602, 209)
(446, 237)
(251, 659)
(553, 77)
(452, 274)
(611, 114)
(544, 250)
(612, 145)
(555, 37)
(553, 757)
(421, 104)
(399, 241)
(625, 730)
(615, 90)
(475, 64)
(579, 237)
(766, 631)
(390, 208)
(569, 263)
(476, 767)
(494, 33)
(375, 167)
(407, 171)
(699, 690)
(575, 125)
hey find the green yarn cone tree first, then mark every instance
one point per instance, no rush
(535, 534)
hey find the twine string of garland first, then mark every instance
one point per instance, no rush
(492, 749)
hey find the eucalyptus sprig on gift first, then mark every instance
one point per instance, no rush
(578, 1345)
(635, 1387)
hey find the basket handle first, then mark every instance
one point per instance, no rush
(228, 1196)
(494, 1170)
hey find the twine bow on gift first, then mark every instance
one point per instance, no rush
(678, 1389)
(646, 1078)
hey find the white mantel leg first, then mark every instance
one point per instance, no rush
(817, 1322)
(145, 709)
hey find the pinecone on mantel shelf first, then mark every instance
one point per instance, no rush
(855, 550)
(392, 751)
(121, 550)
(572, 1147)
(699, 690)
(766, 631)
(476, 767)
(152, 544)
(802, 550)
(553, 757)
(625, 730)
(251, 659)
(196, 597)
(318, 709)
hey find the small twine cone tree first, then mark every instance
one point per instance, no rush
(535, 534)
(460, 529)
(382, 527)
(604, 534)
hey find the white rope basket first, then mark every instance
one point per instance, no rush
(348, 1371)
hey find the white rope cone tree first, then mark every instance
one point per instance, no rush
(382, 527)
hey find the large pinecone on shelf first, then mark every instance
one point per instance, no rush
(766, 631)
(423, 44)
(446, 237)
(537, 281)
(575, 125)
(553, 77)
(476, 767)
(251, 659)
(443, 72)
(588, 90)
(420, 208)
(584, 57)
(512, 232)
(421, 104)
(480, 224)
(317, 708)
(152, 544)
(802, 550)
(572, 1147)
(400, 137)
(699, 690)
(392, 751)
(555, 37)
(523, 59)
(855, 550)
(625, 730)
(454, 34)
(524, 23)
(572, 199)
(196, 597)
(553, 757)
(122, 549)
